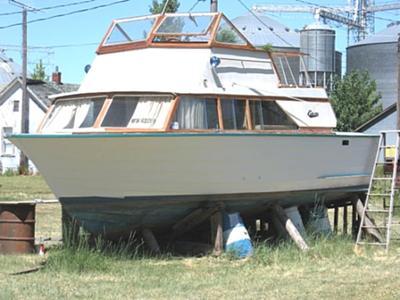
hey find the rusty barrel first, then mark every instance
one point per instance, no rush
(17, 228)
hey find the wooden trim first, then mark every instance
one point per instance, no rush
(215, 43)
(112, 94)
(45, 118)
(171, 114)
(219, 111)
(214, 96)
(102, 113)
(179, 45)
(122, 47)
(249, 118)
(105, 36)
(213, 32)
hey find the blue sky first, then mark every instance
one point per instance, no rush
(70, 42)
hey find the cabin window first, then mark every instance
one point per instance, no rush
(7, 148)
(196, 113)
(140, 112)
(133, 30)
(226, 33)
(191, 28)
(234, 114)
(268, 115)
(74, 114)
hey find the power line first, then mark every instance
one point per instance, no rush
(195, 4)
(50, 7)
(66, 14)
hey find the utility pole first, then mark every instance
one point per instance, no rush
(398, 83)
(23, 161)
(214, 6)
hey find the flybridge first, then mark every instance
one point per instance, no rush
(173, 30)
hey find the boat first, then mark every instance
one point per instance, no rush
(180, 112)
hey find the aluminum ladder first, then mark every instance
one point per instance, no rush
(381, 188)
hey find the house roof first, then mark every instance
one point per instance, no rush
(39, 91)
(263, 30)
(8, 70)
(388, 111)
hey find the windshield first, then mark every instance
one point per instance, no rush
(188, 28)
(131, 30)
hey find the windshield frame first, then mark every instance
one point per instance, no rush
(209, 42)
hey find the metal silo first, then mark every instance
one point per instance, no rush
(378, 55)
(317, 41)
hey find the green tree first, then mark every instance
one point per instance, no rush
(157, 8)
(226, 35)
(355, 100)
(39, 73)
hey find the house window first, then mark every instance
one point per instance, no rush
(15, 105)
(7, 148)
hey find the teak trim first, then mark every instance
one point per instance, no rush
(103, 112)
(219, 112)
(171, 114)
(45, 118)
(249, 118)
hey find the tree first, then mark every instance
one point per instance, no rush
(39, 73)
(157, 8)
(355, 100)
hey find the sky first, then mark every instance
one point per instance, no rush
(70, 42)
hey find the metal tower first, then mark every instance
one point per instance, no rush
(358, 15)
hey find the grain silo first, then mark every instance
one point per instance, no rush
(317, 41)
(261, 30)
(378, 55)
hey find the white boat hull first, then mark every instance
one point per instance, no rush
(144, 171)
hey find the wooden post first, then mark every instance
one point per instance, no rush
(290, 228)
(213, 5)
(354, 223)
(345, 223)
(335, 219)
(150, 240)
(217, 232)
(368, 222)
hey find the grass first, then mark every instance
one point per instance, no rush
(330, 270)
(15, 188)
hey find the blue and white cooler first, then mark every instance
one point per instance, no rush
(236, 237)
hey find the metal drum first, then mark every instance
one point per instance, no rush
(17, 228)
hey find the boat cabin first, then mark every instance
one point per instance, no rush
(185, 72)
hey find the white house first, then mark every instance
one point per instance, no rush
(10, 113)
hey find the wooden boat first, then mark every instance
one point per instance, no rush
(180, 111)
